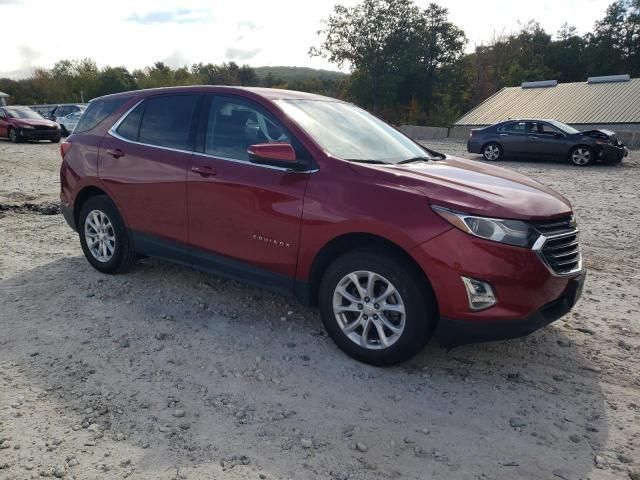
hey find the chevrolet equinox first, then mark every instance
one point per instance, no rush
(313, 197)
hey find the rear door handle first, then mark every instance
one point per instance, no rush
(203, 170)
(115, 152)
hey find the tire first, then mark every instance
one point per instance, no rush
(63, 131)
(121, 256)
(582, 156)
(56, 139)
(492, 152)
(14, 136)
(412, 294)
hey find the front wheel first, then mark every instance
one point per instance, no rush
(581, 156)
(376, 307)
(104, 238)
(14, 136)
(492, 152)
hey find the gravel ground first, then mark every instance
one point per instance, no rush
(168, 373)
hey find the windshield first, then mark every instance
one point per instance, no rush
(23, 113)
(563, 127)
(348, 132)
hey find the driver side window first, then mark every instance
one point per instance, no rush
(235, 125)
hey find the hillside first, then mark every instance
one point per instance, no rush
(298, 73)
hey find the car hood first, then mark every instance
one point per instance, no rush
(600, 134)
(480, 189)
(33, 122)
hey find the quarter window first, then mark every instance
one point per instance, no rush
(129, 128)
(97, 111)
(166, 121)
(233, 126)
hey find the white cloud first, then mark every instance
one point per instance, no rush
(279, 32)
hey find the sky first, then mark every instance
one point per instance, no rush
(136, 33)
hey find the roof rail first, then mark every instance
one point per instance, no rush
(541, 84)
(609, 79)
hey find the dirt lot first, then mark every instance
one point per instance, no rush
(169, 373)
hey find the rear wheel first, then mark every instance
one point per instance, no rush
(492, 152)
(104, 238)
(582, 156)
(376, 308)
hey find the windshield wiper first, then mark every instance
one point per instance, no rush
(414, 159)
(378, 162)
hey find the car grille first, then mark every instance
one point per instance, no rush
(561, 249)
(44, 127)
(556, 226)
(562, 254)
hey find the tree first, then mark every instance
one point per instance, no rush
(370, 38)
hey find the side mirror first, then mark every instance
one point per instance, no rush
(277, 154)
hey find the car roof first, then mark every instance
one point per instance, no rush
(527, 120)
(267, 93)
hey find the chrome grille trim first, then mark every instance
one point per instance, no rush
(554, 254)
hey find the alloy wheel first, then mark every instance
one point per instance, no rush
(369, 310)
(492, 152)
(581, 156)
(100, 235)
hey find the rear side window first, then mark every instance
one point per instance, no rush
(515, 127)
(166, 121)
(97, 111)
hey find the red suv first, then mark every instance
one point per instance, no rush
(316, 198)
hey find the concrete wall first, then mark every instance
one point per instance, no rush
(424, 133)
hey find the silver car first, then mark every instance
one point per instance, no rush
(68, 123)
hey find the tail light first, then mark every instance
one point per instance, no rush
(64, 148)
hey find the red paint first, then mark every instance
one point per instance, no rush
(280, 220)
(273, 151)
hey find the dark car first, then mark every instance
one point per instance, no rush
(546, 139)
(316, 198)
(21, 123)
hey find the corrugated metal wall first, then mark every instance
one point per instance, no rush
(573, 103)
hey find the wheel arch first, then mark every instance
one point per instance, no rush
(352, 241)
(83, 195)
(489, 142)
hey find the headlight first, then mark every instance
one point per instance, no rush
(511, 232)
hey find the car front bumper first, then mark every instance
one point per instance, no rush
(528, 294)
(451, 332)
(612, 153)
(36, 134)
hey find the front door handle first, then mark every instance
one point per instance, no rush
(115, 152)
(203, 170)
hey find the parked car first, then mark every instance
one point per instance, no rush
(60, 111)
(546, 139)
(69, 122)
(21, 123)
(316, 198)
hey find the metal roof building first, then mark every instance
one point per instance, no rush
(3, 98)
(612, 101)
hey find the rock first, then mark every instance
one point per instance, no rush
(162, 336)
(516, 422)
(574, 438)
(564, 343)
(306, 443)
(58, 471)
(634, 475)
(103, 410)
(361, 447)
(123, 342)
(179, 413)
(76, 427)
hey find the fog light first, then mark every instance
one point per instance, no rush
(480, 294)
